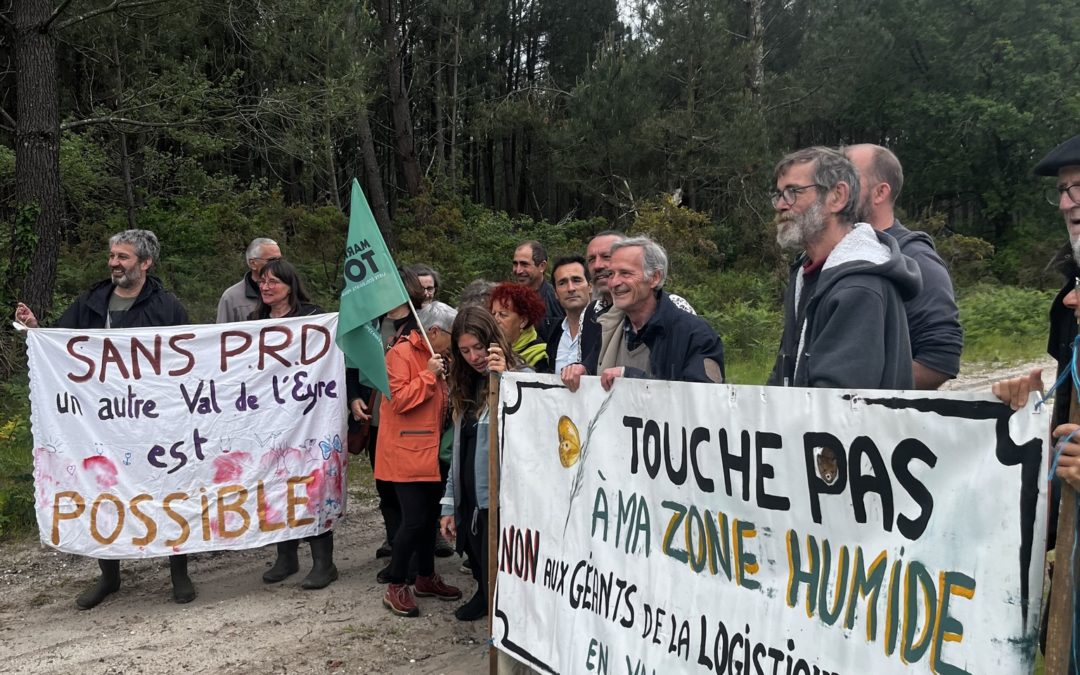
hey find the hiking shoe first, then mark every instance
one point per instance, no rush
(434, 586)
(399, 600)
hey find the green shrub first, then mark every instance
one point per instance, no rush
(968, 258)
(1003, 323)
(16, 461)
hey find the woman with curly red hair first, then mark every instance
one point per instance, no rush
(518, 310)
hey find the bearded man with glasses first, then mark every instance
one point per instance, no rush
(844, 319)
(240, 300)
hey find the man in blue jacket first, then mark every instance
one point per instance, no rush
(644, 334)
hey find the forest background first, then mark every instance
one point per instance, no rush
(474, 124)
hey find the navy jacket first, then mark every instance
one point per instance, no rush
(681, 345)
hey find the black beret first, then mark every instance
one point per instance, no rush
(1066, 154)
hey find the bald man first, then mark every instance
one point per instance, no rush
(933, 319)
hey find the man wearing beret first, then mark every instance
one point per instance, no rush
(1063, 162)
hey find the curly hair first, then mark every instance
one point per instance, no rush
(526, 302)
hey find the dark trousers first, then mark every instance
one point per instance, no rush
(416, 534)
(388, 501)
(473, 533)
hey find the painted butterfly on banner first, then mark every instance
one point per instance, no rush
(328, 448)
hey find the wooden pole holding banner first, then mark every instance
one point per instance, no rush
(1060, 626)
(493, 511)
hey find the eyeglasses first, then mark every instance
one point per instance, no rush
(1053, 194)
(429, 290)
(266, 260)
(270, 283)
(791, 193)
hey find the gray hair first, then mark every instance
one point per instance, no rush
(255, 247)
(438, 315)
(476, 293)
(831, 168)
(144, 242)
(653, 254)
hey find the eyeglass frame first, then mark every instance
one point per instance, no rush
(270, 283)
(1053, 193)
(795, 190)
(266, 260)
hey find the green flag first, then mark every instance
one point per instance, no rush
(372, 288)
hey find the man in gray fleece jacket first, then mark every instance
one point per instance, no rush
(844, 319)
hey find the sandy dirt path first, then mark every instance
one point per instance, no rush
(240, 625)
(237, 624)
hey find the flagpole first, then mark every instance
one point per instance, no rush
(423, 331)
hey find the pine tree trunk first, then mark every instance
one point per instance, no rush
(399, 102)
(373, 181)
(37, 146)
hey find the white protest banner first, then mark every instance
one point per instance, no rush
(155, 441)
(669, 527)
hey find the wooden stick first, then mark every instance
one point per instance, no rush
(493, 511)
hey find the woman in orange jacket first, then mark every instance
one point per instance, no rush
(407, 455)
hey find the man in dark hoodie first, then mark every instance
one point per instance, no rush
(933, 318)
(130, 298)
(844, 319)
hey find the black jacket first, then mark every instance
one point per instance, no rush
(681, 346)
(933, 318)
(1063, 332)
(154, 307)
(1059, 346)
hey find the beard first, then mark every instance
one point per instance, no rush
(794, 230)
(862, 209)
(1075, 243)
(127, 279)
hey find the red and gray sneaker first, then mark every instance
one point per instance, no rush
(399, 600)
(434, 586)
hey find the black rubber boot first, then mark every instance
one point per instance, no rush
(106, 585)
(323, 572)
(183, 590)
(285, 564)
(474, 609)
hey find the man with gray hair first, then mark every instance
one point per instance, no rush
(644, 334)
(844, 319)
(240, 300)
(130, 298)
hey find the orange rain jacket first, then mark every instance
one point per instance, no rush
(410, 426)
